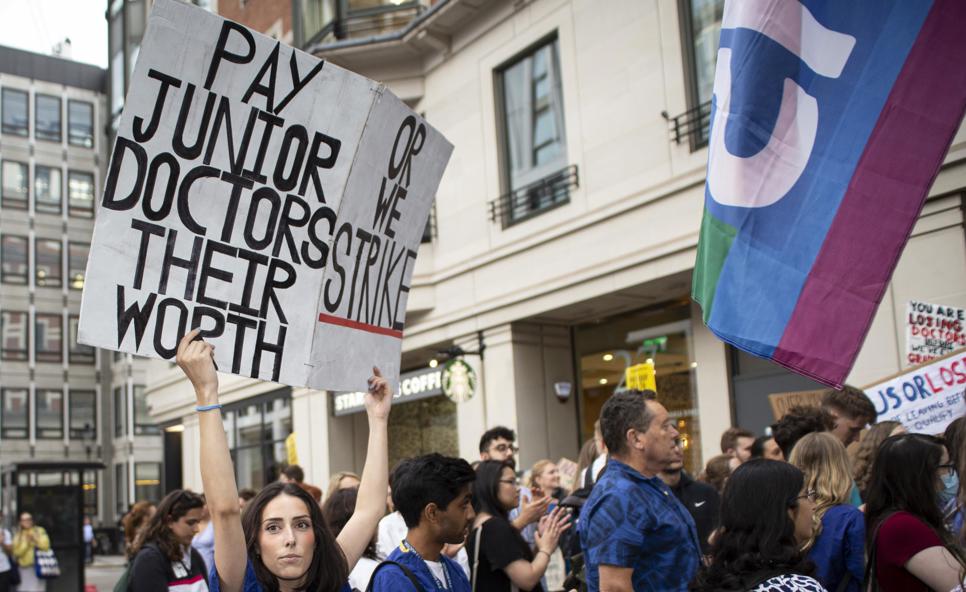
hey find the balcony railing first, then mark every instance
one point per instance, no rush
(359, 23)
(691, 126)
(532, 200)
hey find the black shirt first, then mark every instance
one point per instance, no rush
(500, 545)
(151, 571)
(704, 505)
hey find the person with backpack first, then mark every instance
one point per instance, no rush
(766, 516)
(432, 493)
(163, 558)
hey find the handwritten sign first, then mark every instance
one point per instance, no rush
(782, 402)
(270, 198)
(926, 398)
(933, 330)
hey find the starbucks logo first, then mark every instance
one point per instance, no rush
(459, 381)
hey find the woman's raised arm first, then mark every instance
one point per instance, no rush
(371, 502)
(217, 471)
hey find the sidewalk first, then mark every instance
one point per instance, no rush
(108, 561)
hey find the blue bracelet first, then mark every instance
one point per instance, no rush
(207, 407)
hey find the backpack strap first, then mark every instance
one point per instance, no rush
(409, 574)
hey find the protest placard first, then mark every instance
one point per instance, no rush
(933, 330)
(926, 398)
(782, 402)
(270, 198)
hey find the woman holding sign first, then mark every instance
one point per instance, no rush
(281, 542)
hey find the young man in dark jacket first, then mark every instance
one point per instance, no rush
(700, 499)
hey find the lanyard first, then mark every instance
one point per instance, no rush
(448, 585)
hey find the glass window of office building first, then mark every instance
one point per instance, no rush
(256, 431)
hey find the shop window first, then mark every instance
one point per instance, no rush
(120, 490)
(89, 486)
(147, 482)
(533, 134)
(13, 416)
(15, 261)
(83, 415)
(701, 30)
(120, 411)
(143, 424)
(49, 337)
(256, 437)
(49, 413)
(78, 352)
(80, 123)
(47, 113)
(15, 185)
(16, 112)
(661, 336)
(80, 194)
(49, 262)
(15, 328)
(77, 254)
(421, 427)
(48, 189)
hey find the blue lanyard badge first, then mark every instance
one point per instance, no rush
(440, 585)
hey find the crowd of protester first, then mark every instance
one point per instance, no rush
(825, 500)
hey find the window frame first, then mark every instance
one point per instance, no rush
(698, 137)
(48, 355)
(5, 430)
(78, 433)
(45, 282)
(159, 485)
(76, 355)
(119, 395)
(76, 212)
(48, 207)
(59, 138)
(143, 429)
(6, 277)
(26, 101)
(70, 267)
(14, 203)
(15, 355)
(93, 139)
(39, 431)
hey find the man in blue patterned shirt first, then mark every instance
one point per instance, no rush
(634, 532)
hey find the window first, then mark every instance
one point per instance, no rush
(15, 184)
(256, 433)
(534, 139)
(120, 411)
(77, 264)
(80, 194)
(120, 489)
(48, 189)
(15, 264)
(49, 264)
(14, 325)
(143, 424)
(78, 353)
(701, 30)
(13, 416)
(16, 113)
(80, 123)
(49, 413)
(147, 481)
(49, 337)
(89, 485)
(83, 415)
(47, 114)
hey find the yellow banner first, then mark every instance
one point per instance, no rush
(293, 457)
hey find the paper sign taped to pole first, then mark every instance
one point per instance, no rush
(270, 198)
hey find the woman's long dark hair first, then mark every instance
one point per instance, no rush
(757, 536)
(328, 571)
(486, 487)
(157, 530)
(904, 478)
(338, 508)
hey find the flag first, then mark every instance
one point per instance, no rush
(830, 121)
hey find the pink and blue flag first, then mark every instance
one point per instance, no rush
(830, 121)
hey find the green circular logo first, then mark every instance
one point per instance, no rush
(459, 381)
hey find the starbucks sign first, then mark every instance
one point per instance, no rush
(459, 381)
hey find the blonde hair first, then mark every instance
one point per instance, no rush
(538, 469)
(336, 479)
(825, 463)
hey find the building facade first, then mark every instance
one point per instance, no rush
(563, 239)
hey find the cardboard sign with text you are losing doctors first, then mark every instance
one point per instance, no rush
(270, 198)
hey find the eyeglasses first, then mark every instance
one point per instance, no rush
(513, 482)
(505, 448)
(810, 494)
(947, 469)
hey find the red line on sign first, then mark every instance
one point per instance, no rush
(324, 318)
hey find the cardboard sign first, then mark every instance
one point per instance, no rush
(782, 402)
(933, 330)
(568, 473)
(270, 198)
(926, 398)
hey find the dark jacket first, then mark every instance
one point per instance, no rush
(704, 505)
(151, 571)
